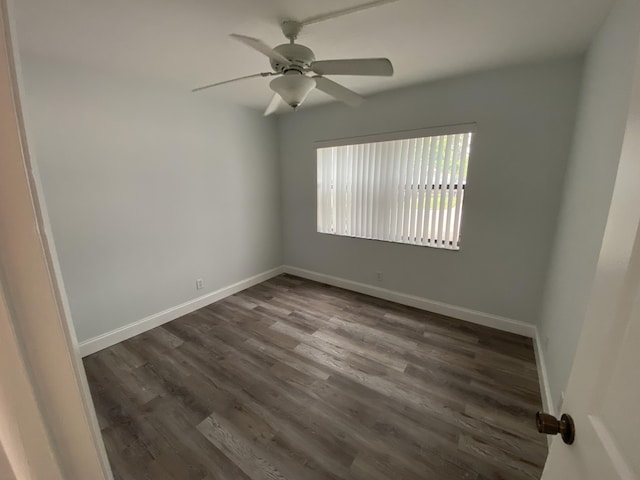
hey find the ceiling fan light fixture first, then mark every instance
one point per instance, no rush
(293, 87)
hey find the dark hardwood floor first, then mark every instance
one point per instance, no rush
(292, 379)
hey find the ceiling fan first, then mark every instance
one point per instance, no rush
(299, 72)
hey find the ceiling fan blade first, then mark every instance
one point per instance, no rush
(346, 11)
(338, 92)
(273, 105)
(262, 47)
(354, 66)
(264, 74)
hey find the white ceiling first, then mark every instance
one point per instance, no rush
(186, 42)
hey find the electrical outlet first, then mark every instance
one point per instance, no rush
(199, 284)
(379, 276)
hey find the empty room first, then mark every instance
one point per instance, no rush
(342, 240)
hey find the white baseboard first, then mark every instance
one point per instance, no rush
(473, 316)
(543, 377)
(131, 330)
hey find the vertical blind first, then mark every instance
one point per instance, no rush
(407, 191)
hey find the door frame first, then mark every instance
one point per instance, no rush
(49, 425)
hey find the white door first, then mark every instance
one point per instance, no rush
(603, 395)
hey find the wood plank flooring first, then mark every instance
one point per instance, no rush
(296, 380)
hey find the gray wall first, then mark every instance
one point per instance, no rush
(589, 184)
(149, 188)
(525, 117)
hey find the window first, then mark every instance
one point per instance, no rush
(406, 190)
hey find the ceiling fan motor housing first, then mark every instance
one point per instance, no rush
(300, 57)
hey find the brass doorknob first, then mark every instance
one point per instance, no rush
(550, 425)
